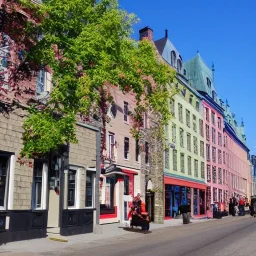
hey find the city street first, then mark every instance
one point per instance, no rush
(230, 236)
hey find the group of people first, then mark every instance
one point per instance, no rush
(237, 206)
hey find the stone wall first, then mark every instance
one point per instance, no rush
(11, 141)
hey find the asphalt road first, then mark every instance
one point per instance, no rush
(234, 236)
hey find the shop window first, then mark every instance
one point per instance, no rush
(4, 166)
(89, 189)
(189, 142)
(201, 125)
(214, 154)
(202, 170)
(146, 152)
(111, 139)
(39, 186)
(188, 117)
(194, 124)
(213, 136)
(189, 165)
(209, 173)
(174, 133)
(196, 201)
(137, 151)
(175, 160)
(195, 145)
(71, 188)
(207, 128)
(196, 168)
(126, 185)
(126, 111)
(180, 110)
(126, 148)
(214, 174)
(202, 149)
(182, 162)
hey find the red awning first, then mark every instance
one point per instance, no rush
(184, 183)
(130, 172)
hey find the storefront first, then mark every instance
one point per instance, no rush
(179, 192)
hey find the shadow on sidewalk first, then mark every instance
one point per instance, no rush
(137, 230)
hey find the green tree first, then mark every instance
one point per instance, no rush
(88, 47)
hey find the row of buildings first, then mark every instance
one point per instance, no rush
(80, 187)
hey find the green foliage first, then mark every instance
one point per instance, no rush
(88, 47)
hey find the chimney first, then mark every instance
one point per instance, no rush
(166, 33)
(146, 32)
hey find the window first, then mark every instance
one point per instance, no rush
(214, 154)
(126, 111)
(213, 118)
(202, 149)
(208, 153)
(173, 58)
(202, 170)
(208, 82)
(179, 65)
(181, 138)
(71, 188)
(126, 148)
(188, 117)
(209, 174)
(219, 139)
(40, 81)
(189, 142)
(197, 106)
(219, 122)
(146, 152)
(213, 136)
(172, 106)
(184, 72)
(214, 174)
(111, 139)
(137, 150)
(196, 168)
(201, 125)
(191, 99)
(89, 189)
(189, 165)
(182, 162)
(224, 176)
(207, 114)
(126, 185)
(194, 124)
(220, 176)
(174, 133)
(4, 162)
(214, 194)
(175, 160)
(207, 128)
(195, 145)
(180, 109)
(37, 184)
(220, 195)
(224, 158)
(167, 158)
(219, 156)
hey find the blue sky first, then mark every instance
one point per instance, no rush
(223, 31)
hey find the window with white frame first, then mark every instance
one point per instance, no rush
(40, 81)
(126, 148)
(111, 149)
(39, 185)
(71, 188)
(89, 189)
(126, 111)
(4, 167)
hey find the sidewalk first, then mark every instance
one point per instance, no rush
(110, 231)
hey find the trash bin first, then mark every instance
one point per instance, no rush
(185, 211)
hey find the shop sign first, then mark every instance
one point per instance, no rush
(110, 168)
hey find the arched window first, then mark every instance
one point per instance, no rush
(173, 58)
(179, 65)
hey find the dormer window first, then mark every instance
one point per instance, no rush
(214, 95)
(179, 65)
(208, 81)
(184, 72)
(173, 58)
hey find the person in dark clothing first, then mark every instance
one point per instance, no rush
(230, 206)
